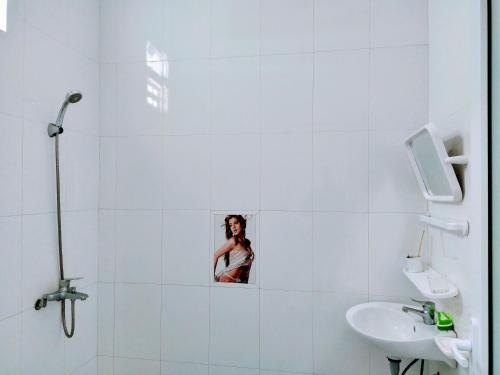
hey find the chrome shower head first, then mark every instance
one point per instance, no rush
(71, 97)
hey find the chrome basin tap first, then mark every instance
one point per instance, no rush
(427, 313)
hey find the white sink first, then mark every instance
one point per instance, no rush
(399, 334)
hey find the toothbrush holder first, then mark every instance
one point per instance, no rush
(414, 264)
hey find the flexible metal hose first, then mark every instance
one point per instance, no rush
(63, 314)
(68, 334)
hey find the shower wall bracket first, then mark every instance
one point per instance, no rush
(54, 130)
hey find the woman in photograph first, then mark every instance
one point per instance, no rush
(237, 252)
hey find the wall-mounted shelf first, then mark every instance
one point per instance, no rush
(459, 227)
(421, 282)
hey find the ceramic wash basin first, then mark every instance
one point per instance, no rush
(398, 334)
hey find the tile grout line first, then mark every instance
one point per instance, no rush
(210, 184)
(313, 79)
(23, 255)
(116, 155)
(369, 163)
(258, 227)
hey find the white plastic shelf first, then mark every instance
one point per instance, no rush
(458, 227)
(421, 282)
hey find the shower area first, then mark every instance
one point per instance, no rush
(282, 121)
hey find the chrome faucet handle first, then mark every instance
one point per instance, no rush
(73, 278)
(65, 283)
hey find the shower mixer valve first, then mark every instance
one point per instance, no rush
(65, 291)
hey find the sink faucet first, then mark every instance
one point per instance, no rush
(427, 312)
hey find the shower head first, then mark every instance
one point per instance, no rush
(71, 97)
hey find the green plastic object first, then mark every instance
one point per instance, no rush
(444, 321)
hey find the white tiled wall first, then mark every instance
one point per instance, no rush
(296, 110)
(49, 48)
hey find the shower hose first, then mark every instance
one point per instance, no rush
(69, 333)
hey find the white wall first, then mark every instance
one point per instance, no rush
(457, 104)
(49, 48)
(294, 109)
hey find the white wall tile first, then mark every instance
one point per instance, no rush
(235, 172)
(105, 365)
(83, 76)
(47, 63)
(334, 340)
(105, 319)
(341, 252)
(395, 22)
(187, 172)
(235, 95)
(234, 312)
(392, 238)
(90, 368)
(131, 31)
(235, 27)
(173, 368)
(286, 172)
(186, 108)
(393, 186)
(10, 345)
(82, 347)
(451, 86)
(107, 251)
(139, 177)
(341, 90)
(287, 88)
(225, 370)
(108, 91)
(11, 64)
(286, 250)
(287, 26)
(79, 175)
(187, 26)
(51, 19)
(40, 257)
(185, 255)
(107, 172)
(42, 337)
(399, 88)
(11, 265)
(185, 323)
(80, 245)
(128, 366)
(75, 24)
(346, 155)
(85, 37)
(137, 322)
(138, 246)
(38, 170)
(341, 24)
(11, 171)
(286, 331)
(279, 372)
(139, 98)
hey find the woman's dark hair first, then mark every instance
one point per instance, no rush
(246, 242)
